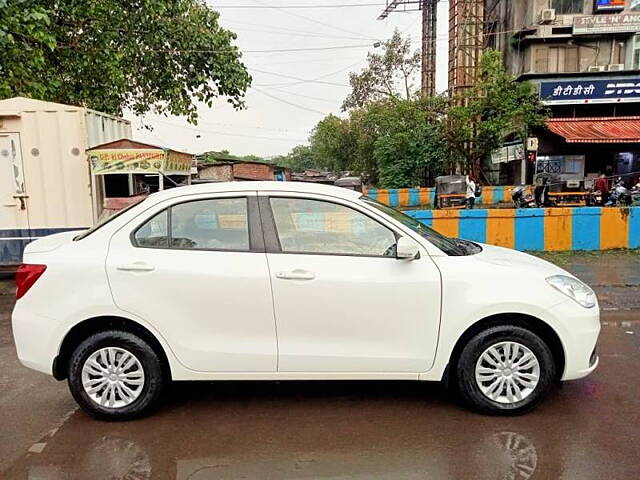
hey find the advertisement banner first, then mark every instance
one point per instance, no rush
(139, 161)
(178, 163)
(104, 162)
(595, 24)
(591, 91)
(609, 5)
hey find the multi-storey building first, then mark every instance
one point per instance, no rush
(584, 58)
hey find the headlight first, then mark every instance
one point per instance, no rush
(573, 288)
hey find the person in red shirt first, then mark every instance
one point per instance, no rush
(602, 186)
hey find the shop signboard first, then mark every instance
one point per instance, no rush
(609, 5)
(508, 153)
(597, 24)
(139, 161)
(622, 90)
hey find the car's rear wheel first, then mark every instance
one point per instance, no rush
(505, 370)
(115, 375)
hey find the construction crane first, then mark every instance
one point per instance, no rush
(466, 44)
(429, 21)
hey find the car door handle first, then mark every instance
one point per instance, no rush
(136, 267)
(295, 275)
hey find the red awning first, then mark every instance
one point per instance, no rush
(597, 130)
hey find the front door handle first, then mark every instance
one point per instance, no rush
(295, 275)
(135, 267)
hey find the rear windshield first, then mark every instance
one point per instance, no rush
(106, 218)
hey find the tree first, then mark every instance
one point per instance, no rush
(408, 141)
(497, 107)
(390, 74)
(333, 144)
(148, 55)
(300, 158)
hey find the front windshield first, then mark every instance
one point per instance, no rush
(446, 244)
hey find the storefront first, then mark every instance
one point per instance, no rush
(594, 129)
(124, 172)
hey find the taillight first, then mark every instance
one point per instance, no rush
(26, 276)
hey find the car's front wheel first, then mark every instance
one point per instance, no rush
(505, 370)
(115, 375)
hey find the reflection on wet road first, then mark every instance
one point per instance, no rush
(588, 429)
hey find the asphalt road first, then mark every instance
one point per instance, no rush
(587, 429)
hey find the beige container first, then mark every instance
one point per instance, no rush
(45, 182)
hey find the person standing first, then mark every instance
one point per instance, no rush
(471, 192)
(602, 186)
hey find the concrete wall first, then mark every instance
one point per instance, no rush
(550, 229)
(253, 171)
(218, 173)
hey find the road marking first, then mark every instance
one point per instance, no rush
(37, 447)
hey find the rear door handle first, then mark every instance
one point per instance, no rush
(136, 267)
(295, 275)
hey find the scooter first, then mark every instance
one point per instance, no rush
(521, 198)
(635, 195)
(620, 196)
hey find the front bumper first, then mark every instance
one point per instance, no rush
(578, 329)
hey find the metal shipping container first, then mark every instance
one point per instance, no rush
(45, 181)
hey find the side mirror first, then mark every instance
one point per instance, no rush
(407, 249)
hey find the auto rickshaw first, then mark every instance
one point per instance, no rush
(451, 191)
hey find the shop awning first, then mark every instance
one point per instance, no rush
(597, 129)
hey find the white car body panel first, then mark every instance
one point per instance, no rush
(362, 318)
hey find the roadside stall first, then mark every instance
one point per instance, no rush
(124, 172)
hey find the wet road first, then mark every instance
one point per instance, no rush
(588, 429)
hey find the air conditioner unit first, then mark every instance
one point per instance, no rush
(615, 67)
(547, 15)
(597, 68)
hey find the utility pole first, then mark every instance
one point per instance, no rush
(429, 29)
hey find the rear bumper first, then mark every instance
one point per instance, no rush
(34, 337)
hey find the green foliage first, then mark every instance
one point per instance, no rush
(408, 141)
(225, 156)
(299, 159)
(497, 107)
(389, 74)
(145, 55)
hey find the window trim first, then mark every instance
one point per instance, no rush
(256, 240)
(272, 238)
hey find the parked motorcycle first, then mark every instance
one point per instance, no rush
(620, 196)
(635, 195)
(522, 198)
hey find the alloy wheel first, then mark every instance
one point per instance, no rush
(507, 372)
(113, 377)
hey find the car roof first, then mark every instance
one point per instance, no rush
(290, 187)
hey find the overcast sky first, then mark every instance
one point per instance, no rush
(292, 90)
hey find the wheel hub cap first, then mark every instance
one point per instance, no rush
(507, 372)
(112, 377)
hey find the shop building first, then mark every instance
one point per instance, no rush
(583, 56)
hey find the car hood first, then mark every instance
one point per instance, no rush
(506, 257)
(51, 242)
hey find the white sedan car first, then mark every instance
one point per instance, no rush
(291, 281)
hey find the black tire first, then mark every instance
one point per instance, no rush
(465, 369)
(154, 378)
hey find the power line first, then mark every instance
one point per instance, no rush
(282, 100)
(318, 22)
(202, 130)
(343, 5)
(313, 80)
(303, 80)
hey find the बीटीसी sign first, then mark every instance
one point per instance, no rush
(140, 161)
